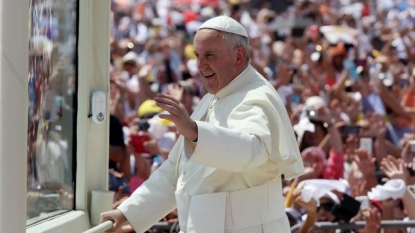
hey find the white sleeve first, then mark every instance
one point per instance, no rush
(153, 200)
(239, 147)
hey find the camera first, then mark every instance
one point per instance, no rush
(351, 130)
(311, 113)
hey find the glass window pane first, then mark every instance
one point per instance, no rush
(52, 107)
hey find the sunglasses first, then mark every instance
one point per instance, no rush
(326, 206)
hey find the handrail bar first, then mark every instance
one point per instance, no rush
(318, 225)
(361, 224)
(102, 227)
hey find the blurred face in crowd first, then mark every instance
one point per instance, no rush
(313, 139)
(131, 68)
(338, 62)
(217, 63)
(323, 211)
(399, 121)
(113, 90)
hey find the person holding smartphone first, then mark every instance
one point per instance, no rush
(325, 135)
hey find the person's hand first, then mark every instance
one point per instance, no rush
(145, 71)
(374, 127)
(310, 207)
(372, 218)
(323, 115)
(178, 115)
(31, 198)
(406, 144)
(313, 165)
(284, 75)
(363, 161)
(393, 168)
(358, 189)
(66, 199)
(115, 216)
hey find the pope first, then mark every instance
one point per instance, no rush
(224, 172)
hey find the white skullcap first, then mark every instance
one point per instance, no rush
(225, 24)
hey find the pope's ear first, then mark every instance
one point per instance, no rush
(240, 55)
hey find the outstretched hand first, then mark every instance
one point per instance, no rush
(178, 115)
(372, 217)
(393, 168)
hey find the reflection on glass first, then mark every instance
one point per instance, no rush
(52, 107)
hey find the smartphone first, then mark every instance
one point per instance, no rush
(138, 140)
(352, 69)
(351, 130)
(367, 144)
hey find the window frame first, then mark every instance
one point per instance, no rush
(91, 138)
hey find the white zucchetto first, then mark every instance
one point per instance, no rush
(225, 24)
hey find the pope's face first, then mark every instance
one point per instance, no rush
(216, 61)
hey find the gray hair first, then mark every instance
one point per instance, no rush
(234, 40)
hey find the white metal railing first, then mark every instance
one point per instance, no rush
(100, 228)
(356, 225)
(168, 226)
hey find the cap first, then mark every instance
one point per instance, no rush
(315, 102)
(225, 24)
(148, 107)
(130, 57)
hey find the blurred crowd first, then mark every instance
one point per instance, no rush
(344, 69)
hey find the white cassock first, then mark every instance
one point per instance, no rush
(230, 180)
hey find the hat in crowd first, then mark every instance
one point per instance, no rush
(131, 58)
(148, 107)
(315, 102)
(225, 24)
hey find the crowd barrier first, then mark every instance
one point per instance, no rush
(357, 225)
